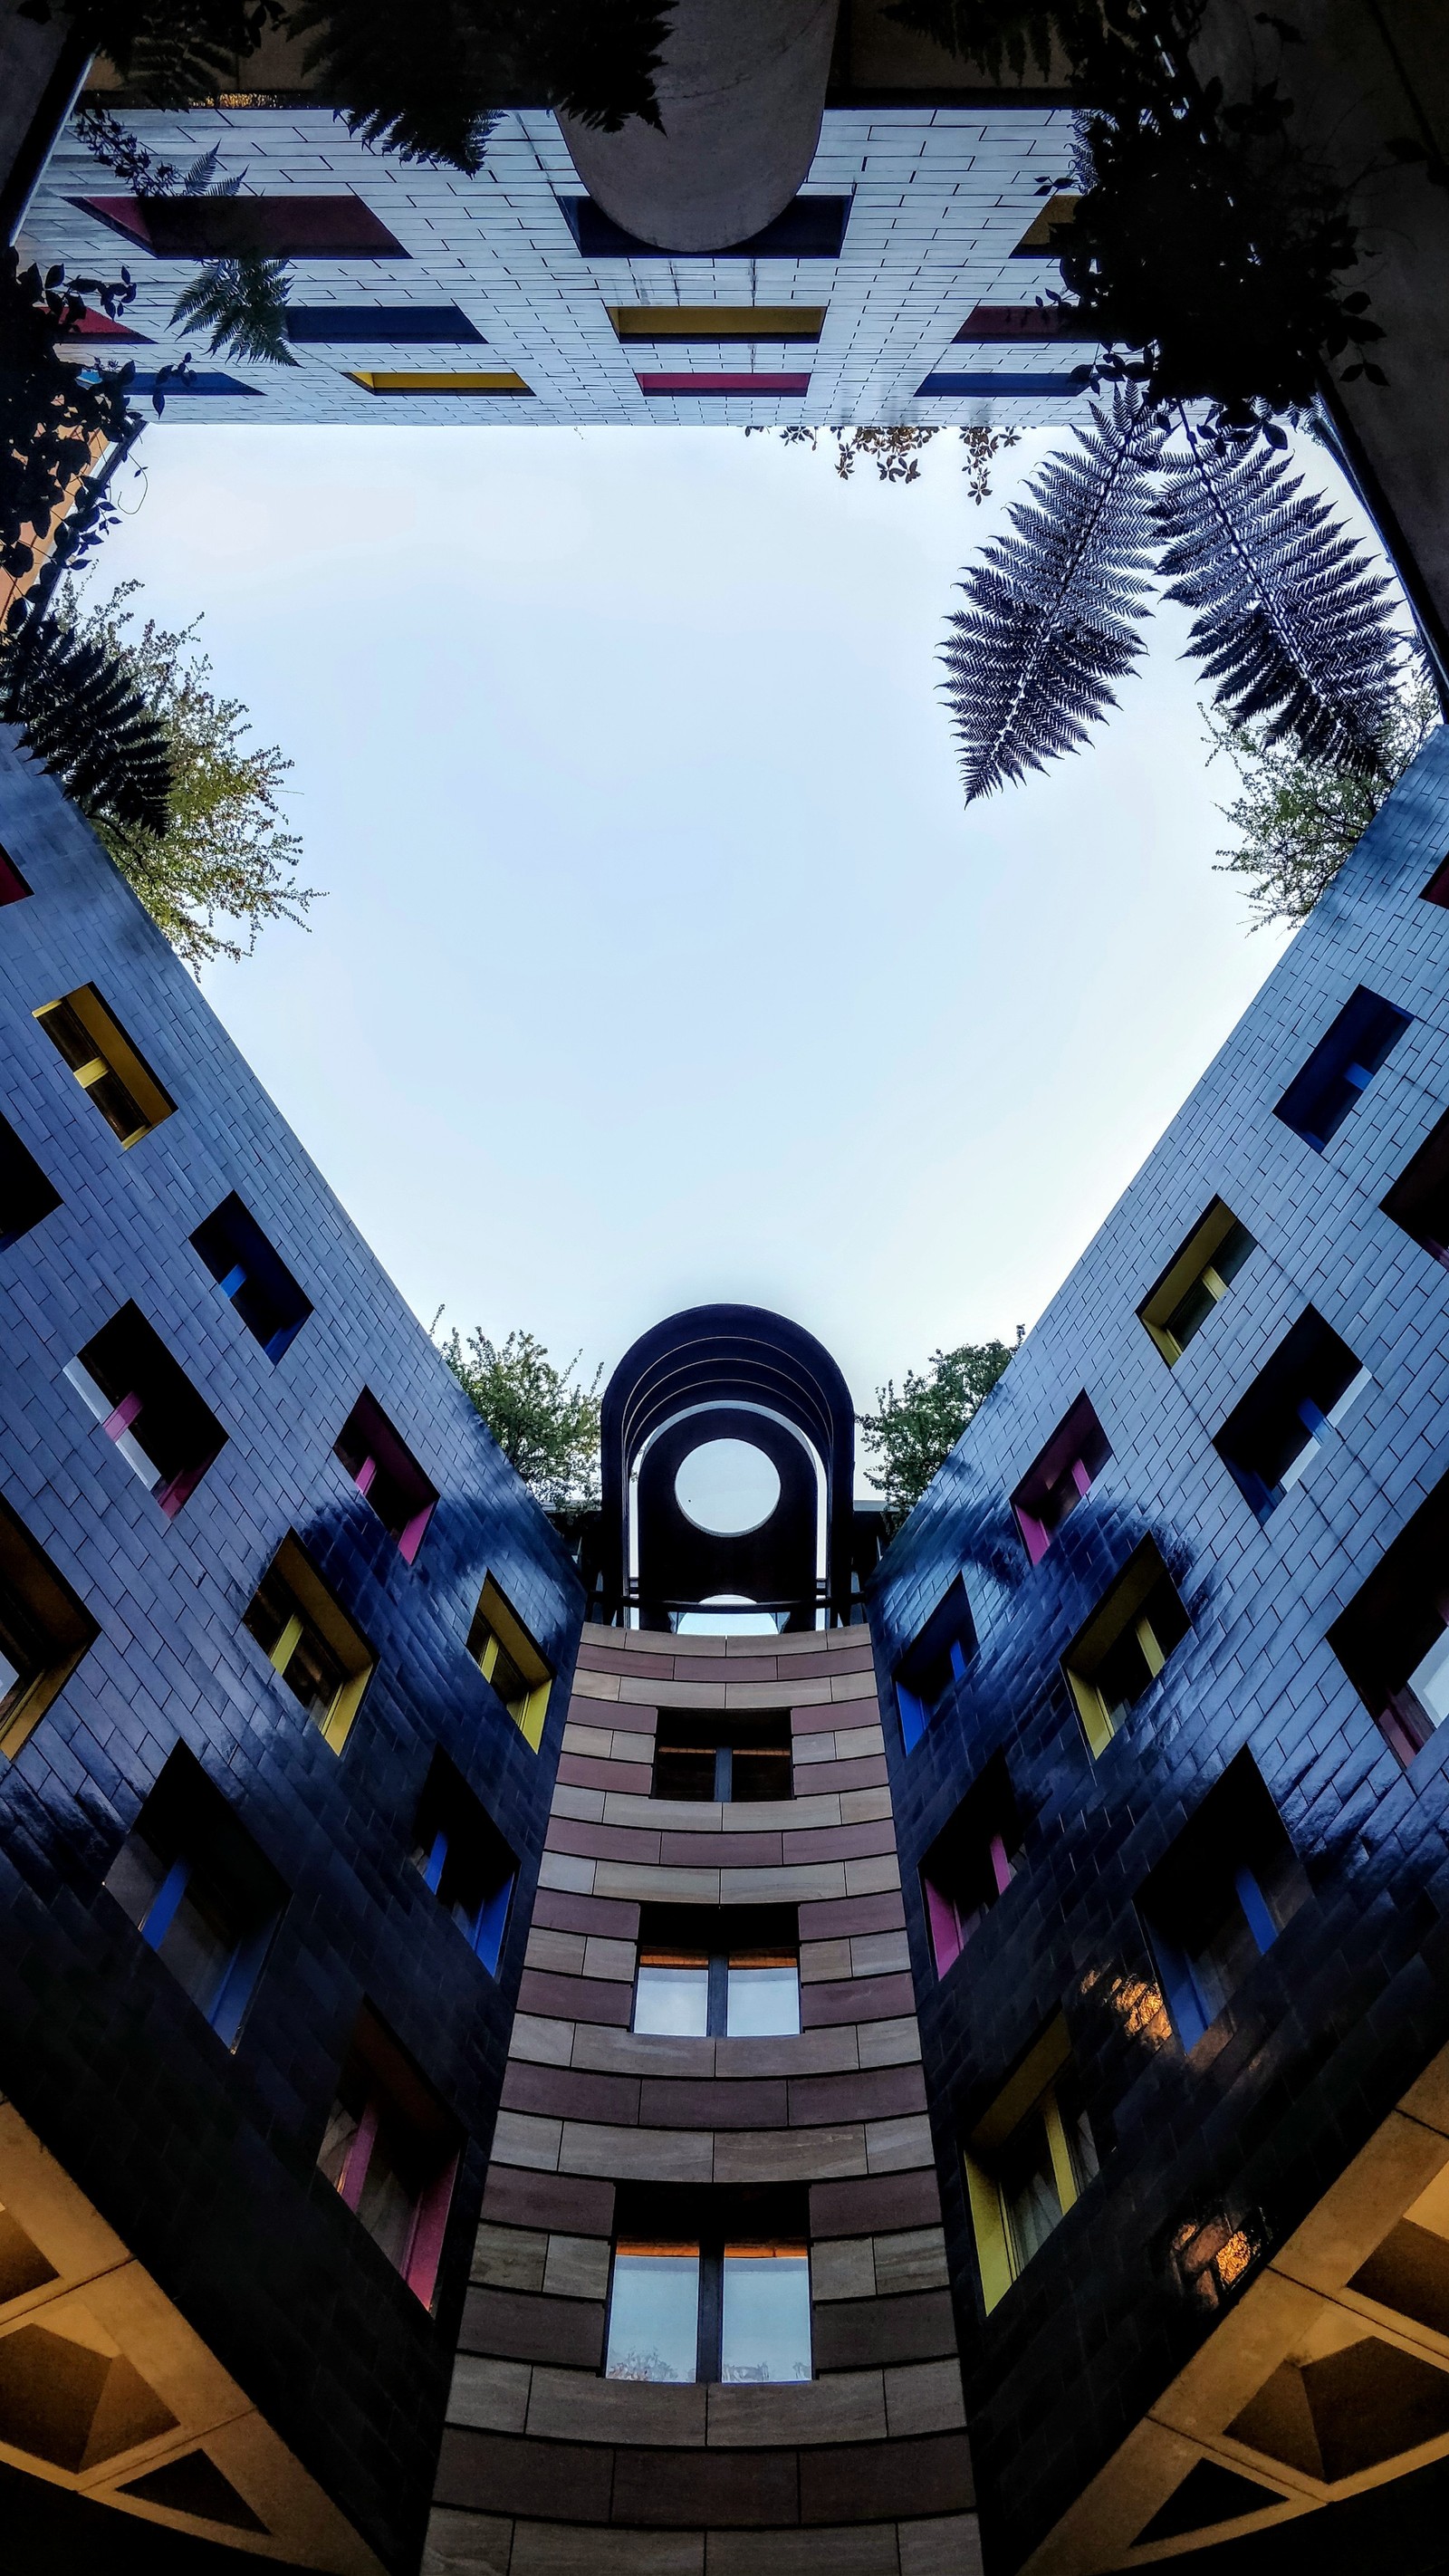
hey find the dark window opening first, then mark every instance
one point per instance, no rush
(25, 1194)
(1220, 1897)
(1196, 1279)
(341, 325)
(718, 1972)
(284, 227)
(144, 1402)
(384, 1469)
(1437, 889)
(465, 1861)
(710, 2286)
(970, 1865)
(200, 1893)
(310, 1642)
(506, 1655)
(1124, 1645)
(808, 228)
(44, 1631)
(390, 2151)
(1028, 2161)
(741, 1758)
(1302, 1391)
(1393, 1639)
(256, 1279)
(1419, 1199)
(13, 888)
(1341, 1067)
(1062, 1477)
(114, 1077)
(934, 1662)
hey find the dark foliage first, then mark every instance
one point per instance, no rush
(425, 86)
(1054, 608)
(244, 297)
(1001, 35)
(84, 718)
(1292, 622)
(171, 52)
(53, 421)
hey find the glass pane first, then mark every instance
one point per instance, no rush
(766, 2332)
(1029, 2190)
(1429, 1681)
(120, 1112)
(654, 2313)
(314, 1675)
(135, 1876)
(673, 2002)
(764, 2003)
(336, 2145)
(388, 2200)
(198, 1944)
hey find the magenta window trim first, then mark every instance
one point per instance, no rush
(424, 2251)
(1060, 1477)
(718, 384)
(13, 888)
(951, 1929)
(1437, 889)
(368, 1447)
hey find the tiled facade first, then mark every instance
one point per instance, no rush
(549, 2468)
(939, 197)
(167, 2181)
(1249, 2212)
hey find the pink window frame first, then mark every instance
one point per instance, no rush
(423, 2251)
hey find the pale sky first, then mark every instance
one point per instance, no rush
(660, 959)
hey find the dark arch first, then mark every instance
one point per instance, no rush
(722, 1356)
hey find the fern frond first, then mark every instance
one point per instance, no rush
(1054, 606)
(244, 300)
(1292, 621)
(86, 721)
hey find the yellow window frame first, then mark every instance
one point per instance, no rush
(114, 1055)
(318, 1605)
(1189, 1267)
(1123, 1608)
(498, 1630)
(1030, 2093)
(65, 1625)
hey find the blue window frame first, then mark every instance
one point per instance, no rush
(200, 1893)
(255, 1277)
(465, 1861)
(934, 1662)
(1341, 1067)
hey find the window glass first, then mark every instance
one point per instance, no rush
(1429, 1680)
(764, 1999)
(654, 2313)
(134, 1877)
(388, 2199)
(766, 2313)
(1029, 2193)
(22, 1652)
(673, 1999)
(198, 1943)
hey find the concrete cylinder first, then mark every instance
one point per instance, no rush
(741, 90)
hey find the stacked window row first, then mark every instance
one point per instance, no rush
(199, 1890)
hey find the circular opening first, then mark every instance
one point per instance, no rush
(727, 1487)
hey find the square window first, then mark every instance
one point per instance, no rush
(1061, 1478)
(144, 1402)
(1027, 2163)
(310, 1642)
(114, 1077)
(740, 1758)
(1419, 1199)
(1124, 1645)
(200, 1893)
(970, 1866)
(934, 1662)
(255, 1278)
(44, 1631)
(1220, 1897)
(25, 1194)
(383, 1468)
(1341, 1067)
(1301, 1393)
(506, 1655)
(710, 2285)
(1197, 1277)
(1393, 1639)
(13, 888)
(390, 2151)
(718, 1972)
(465, 1860)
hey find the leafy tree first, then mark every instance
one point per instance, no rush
(547, 1427)
(216, 864)
(1292, 622)
(1298, 819)
(913, 1433)
(55, 423)
(87, 720)
(895, 452)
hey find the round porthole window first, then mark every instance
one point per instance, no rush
(727, 1487)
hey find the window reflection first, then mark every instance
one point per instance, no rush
(671, 1997)
(763, 1998)
(654, 2313)
(765, 2333)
